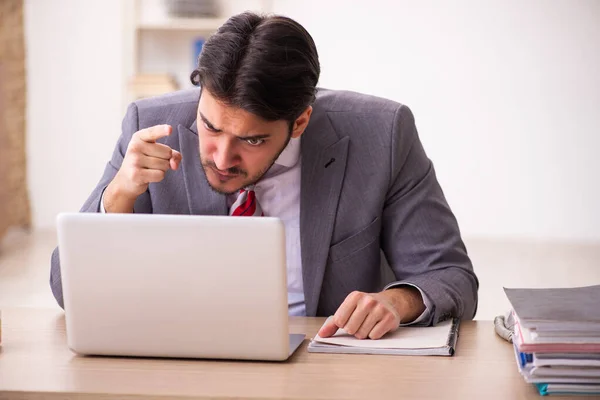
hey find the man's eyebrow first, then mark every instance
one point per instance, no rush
(248, 137)
(255, 137)
(207, 122)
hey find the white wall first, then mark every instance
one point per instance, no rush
(505, 93)
(74, 99)
(506, 96)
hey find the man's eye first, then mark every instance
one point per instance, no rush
(255, 142)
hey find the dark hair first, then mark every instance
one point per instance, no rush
(266, 65)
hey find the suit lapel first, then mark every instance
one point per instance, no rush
(202, 200)
(323, 167)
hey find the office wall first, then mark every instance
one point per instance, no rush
(74, 99)
(505, 93)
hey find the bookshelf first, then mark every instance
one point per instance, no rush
(159, 48)
(183, 24)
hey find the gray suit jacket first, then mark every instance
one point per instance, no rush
(367, 190)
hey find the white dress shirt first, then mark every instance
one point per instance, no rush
(278, 193)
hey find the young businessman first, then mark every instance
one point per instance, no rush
(345, 172)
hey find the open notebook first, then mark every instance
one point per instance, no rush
(439, 340)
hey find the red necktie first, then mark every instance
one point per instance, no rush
(246, 204)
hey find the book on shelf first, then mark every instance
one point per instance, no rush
(150, 85)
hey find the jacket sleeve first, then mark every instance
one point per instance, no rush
(420, 234)
(130, 125)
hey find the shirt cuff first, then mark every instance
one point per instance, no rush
(425, 315)
(102, 210)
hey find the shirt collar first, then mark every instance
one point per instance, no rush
(290, 155)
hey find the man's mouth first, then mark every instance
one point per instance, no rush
(223, 176)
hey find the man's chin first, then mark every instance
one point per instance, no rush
(226, 187)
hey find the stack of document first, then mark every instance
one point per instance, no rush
(557, 338)
(439, 340)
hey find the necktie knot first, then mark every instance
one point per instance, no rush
(246, 204)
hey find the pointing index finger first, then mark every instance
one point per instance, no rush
(152, 134)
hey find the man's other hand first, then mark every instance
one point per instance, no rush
(372, 315)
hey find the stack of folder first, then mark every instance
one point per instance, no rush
(557, 338)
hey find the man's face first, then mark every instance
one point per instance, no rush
(237, 147)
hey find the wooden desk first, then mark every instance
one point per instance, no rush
(35, 363)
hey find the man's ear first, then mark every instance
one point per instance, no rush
(301, 122)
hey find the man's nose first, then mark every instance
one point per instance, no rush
(224, 156)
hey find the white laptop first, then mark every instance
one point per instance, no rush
(175, 286)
